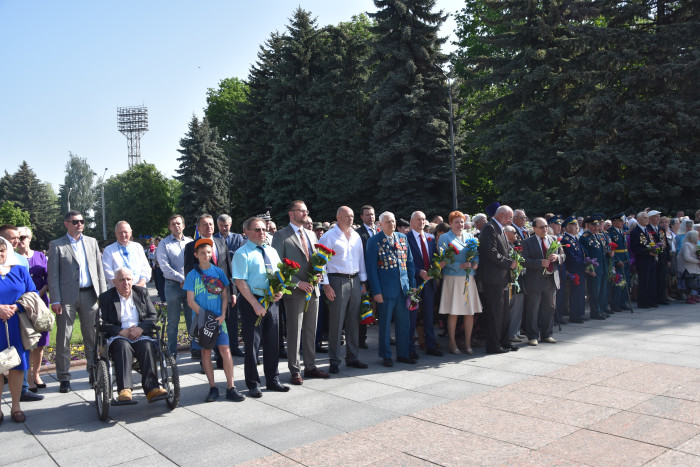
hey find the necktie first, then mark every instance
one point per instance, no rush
(304, 245)
(214, 256)
(525, 234)
(424, 252)
(266, 259)
(550, 268)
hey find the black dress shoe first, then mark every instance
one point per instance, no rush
(513, 348)
(238, 353)
(392, 341)
(357, 364)
(34, 390)
(41, 385)
(65, 387)
(30, 397)
(255, 392)
(333, 369)
(414, 355)
(599, 317)
(576, 320)
(388, 362)
(233, 395)
(277, 386)
(434, 352)
(500, 350)
(363, 345)
(410, 361)
(321, 350)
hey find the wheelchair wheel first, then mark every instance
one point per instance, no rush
(103, 390)
(171, 382)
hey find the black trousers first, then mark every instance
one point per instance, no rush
(646, 291)
(661, 280)
(266, 333)
(122, 351)
(498, 306)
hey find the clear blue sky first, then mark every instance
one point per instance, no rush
(67, 66)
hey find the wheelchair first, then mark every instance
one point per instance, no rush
(101, 373)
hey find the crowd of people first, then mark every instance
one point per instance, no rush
(495, 280)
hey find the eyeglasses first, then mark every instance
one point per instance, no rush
(23, 237)
(78, 221)
(303, 211)
(541, 227)
(258, 230)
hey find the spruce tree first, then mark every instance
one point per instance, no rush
(202, 172)
(409, 109)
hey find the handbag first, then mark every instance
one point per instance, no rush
(206, 329)
(9, 358)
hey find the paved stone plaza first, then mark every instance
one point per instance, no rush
(625, 391)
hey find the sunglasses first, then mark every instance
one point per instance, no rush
(77, 221)
(258, 230)
(23, 237)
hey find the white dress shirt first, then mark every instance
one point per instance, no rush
(132, 256)
(170, 255)
(129, 315)
(349, 257)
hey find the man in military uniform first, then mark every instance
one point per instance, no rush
(664, 259)
(593, 249)
(575, 256)
(621, 260)
(608, 276)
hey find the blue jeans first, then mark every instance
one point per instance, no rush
(176, 298)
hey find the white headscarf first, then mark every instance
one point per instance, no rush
(11, 259)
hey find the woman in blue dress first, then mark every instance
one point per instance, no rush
(14, 282)
(459, 294)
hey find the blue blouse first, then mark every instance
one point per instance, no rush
(459, 242)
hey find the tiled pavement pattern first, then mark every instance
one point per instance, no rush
(625, 391)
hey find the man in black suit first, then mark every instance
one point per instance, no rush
(128, 318)
(366, 231)
(646, 259)
(495, 265)
(222, 259)
(658, 233)
(541, 283)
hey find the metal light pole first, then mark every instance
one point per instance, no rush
(452, 142)
(104, 217)
(70, 188)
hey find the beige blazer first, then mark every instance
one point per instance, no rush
(64, 271)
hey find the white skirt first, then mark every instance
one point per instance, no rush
(453, 301)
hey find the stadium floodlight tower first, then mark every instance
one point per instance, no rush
(133, 123)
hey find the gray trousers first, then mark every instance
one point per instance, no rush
(344, 310)
(516, 314)
(539, 312)
(86, 309)
(298, 321)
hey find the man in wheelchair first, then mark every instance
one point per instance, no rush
(128, 319)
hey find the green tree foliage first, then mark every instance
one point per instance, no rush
(583, 105)
(224, 104)
(202, 172)
(409, 109)
(38, 200)
(11, 214)
(143, 197)
(79, 182)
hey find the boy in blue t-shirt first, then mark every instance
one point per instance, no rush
(211, 294)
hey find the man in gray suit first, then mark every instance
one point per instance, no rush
(541, 283)
(75, 279)
(297, 243)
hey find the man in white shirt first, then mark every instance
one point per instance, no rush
(128, 319)
(125, 254)
(344, 284)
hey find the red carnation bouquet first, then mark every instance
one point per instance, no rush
(280, 281)
(317, 266)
